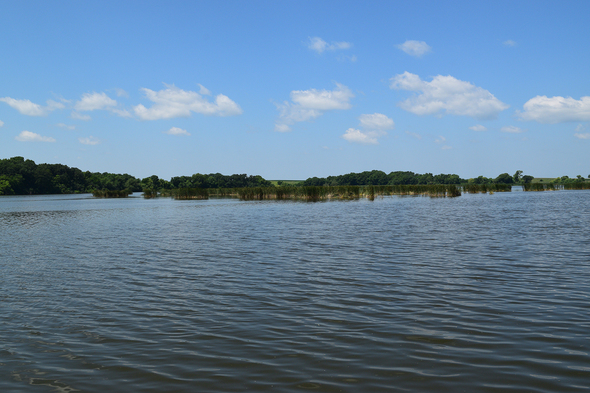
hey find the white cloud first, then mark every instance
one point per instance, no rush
(582, 136)
(415, 48)
(413, 134)
(374, 127)
(177, 131)
(309, 104)
(320, 46)
(94, 101)
(441, 139)
(510, 43)
(580, 127)
(446, 147)
(122, 112)
(26, 107)
(478, 127)
(358, 136)
(79, 116)
(376, 121)
(1, 123)
(173, 102)
(448, 94)
(282, 128)
(512, 129)
(203, 90)
(28, 136)
(543, 109)
(121, 93)
(66, 126)
(89, 141)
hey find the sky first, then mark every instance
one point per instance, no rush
(296, 89)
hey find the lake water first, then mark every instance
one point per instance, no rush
(483, 293)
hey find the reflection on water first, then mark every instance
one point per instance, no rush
(477, 293)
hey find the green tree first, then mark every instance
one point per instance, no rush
(517, 176)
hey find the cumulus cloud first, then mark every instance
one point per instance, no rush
(318, 45)
(121, 112)
(447, 94)
(374, 126)
(66, 126)
(415, 48)
(585, 135)
(177, 131)
(94, 101)
(543, 109)
(512, 129)
(26, 107)
(310, 104)
(174, 102)
(89, 141)
(478, 127)
(80, 116)
(376, 121)
(354, 135)
(28, 136)
(509, 43)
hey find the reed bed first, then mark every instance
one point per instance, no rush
(485, 188)
(187, 193)
(539, 187)
(318, 193)
(577, 185)
(111, 193)
(149, 194)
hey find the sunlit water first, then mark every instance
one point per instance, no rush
(478, 293)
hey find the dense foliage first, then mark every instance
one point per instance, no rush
(380, 178)
(19, 176)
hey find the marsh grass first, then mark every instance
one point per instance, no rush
(149, 194)
(485, 188)
(111, 193)
(320, 193)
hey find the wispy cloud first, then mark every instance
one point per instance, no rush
(66, 126)
(510, 43)
(415, 48)
(512, 129)
(1, 123)
(318, 45)
(28, 108)
(79, 116)
(478, 127)
(89, 141)
(448, 95)
(580, 135)
(414, 135)
(173, 102)
(28, 136)
(177, 131)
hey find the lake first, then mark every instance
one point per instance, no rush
(483, 293)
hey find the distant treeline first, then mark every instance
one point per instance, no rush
(23, 177)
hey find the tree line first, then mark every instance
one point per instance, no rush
(380, 178)
(23, 177)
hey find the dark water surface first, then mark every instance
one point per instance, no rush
(481, 293)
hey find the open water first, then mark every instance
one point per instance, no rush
(483, 293)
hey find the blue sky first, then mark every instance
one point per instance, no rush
(295, 89)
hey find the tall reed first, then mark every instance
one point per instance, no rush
(111, 193)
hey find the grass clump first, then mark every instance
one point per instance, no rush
(111, 193)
